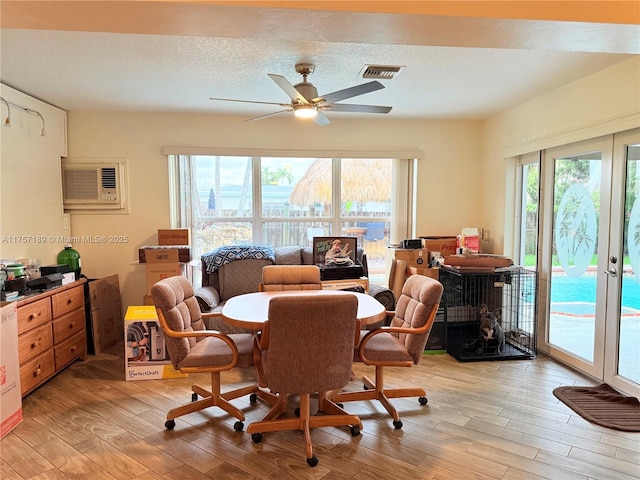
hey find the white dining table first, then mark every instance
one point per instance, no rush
(251, 310)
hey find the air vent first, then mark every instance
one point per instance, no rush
(381, 72)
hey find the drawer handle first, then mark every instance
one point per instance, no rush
(33, 316)
(38, 371)
(69, 300)
(37, 343)
(71, 325)
(73, 349)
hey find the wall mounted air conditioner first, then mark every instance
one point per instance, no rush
(93, 186)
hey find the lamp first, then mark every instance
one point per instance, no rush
(37, 114)
(7, 121)
(305, 111)
(30, 111)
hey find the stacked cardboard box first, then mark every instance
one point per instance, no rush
(418, 259)
(106, 312)
(167, 259)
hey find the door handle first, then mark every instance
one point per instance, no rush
(612, 272)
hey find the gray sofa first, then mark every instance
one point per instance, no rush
(221, 282)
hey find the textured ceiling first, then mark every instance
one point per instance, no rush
(182, 53)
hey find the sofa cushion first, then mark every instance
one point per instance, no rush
(242, 276)
(307, 256)
(288, 255)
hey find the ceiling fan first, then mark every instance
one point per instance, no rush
(306, 103)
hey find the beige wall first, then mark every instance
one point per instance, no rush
(32, 224)
(447, 194)
(603, 103)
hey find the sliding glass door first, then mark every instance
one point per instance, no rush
(590, 257)
(622, 346)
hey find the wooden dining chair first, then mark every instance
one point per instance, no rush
(192, 349)
(306, 348)
(401, 344)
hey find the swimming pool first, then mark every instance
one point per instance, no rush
(567, 289)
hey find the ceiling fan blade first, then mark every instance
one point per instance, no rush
(289, 89)
(349, 92)
(248, 101)
(345, 107)
(321, 119)
(268, 115)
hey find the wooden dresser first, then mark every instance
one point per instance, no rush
(51, 333)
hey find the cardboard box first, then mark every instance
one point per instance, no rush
(145, 354)
(446, 245)
(174, 236)
(147, 300)
(10, 396)
(429, 272)
(106, 312)
(161, 264)
(157, 251)
(418, 258)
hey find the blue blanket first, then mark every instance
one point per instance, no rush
(223, 255)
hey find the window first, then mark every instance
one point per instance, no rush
(529, 178)
(281, 201)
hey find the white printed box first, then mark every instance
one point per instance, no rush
(145, 353)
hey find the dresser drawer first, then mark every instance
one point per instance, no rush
(36, 371)
(35, 342)
(33, 314)
(68, 325)
(70, 350)
(67, 301)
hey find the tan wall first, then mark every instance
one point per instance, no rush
(603, 103)
(447, 194)
(32, 224)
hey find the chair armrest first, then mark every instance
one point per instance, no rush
(389, 329)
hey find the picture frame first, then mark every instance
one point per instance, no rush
(321, 245)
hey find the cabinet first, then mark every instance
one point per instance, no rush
(51, 333)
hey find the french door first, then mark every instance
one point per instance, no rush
(589, 259)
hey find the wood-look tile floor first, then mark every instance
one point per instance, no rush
(484, 421)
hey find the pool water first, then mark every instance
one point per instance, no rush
(565, 289)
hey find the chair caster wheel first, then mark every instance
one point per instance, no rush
(238, 426)
(297, 412)
(253, 398)
(194, 397)
(423, 400)
(397, 424)
(170, 424)
(355, 430)
(256, 437)
(313, 461)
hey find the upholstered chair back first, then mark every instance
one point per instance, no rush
(310, 342)
(175, 298)
(290, 277)
(414, 309)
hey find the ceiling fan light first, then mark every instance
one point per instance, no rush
(305, 111)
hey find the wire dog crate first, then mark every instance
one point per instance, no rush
(476, 300)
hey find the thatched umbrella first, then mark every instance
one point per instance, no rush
(363, 180)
